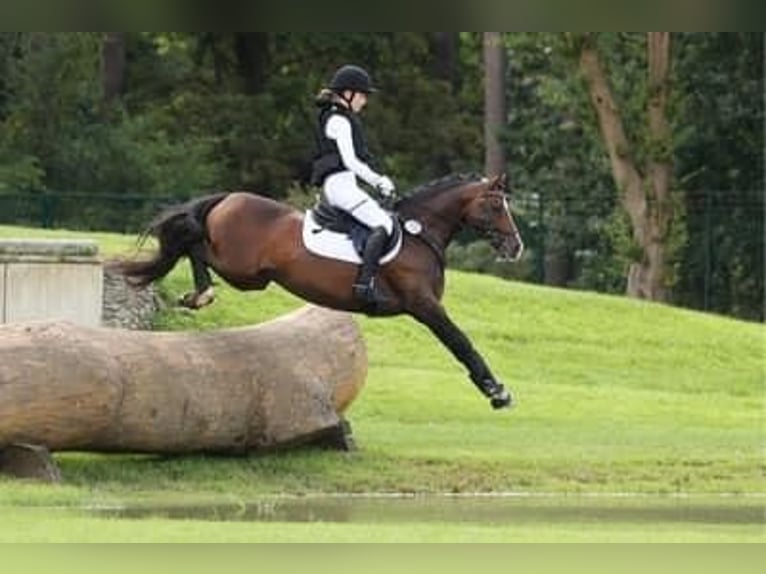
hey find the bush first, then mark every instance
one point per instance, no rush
(479, 257)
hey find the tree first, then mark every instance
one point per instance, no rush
(113, 64)
(444, 47)
(562, 188)
(720, 167)
(644, 187)
(494, 102)
(252, 53)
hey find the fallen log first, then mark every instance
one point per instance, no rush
(231, 391)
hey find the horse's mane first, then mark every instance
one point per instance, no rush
(434, 187)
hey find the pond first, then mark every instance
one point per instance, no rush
(478, 509)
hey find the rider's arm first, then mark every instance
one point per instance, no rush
(338, 128)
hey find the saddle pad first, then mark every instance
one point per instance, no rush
(325, 243)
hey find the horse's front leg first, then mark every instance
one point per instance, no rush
(434, 316)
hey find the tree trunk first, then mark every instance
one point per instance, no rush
(444, 47)
(659, 172)
(113, 65)
(644, 197)
(557, 267)
(252, 52)
(229, 391)
(494, 103)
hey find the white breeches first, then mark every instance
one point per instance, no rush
(343, 192)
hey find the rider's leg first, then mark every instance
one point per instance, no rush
(364, 287)
(343, 192)
(372, 215)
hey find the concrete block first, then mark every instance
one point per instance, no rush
(51, 280)
(2, 292)
(66, 291)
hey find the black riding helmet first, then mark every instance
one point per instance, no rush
(354, 78)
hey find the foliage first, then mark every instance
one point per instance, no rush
(58, 134)
(234, 110)
(721, 167)
(562, 179)
(19, 171)
(558, 167)
(264, 126)
(480, 257)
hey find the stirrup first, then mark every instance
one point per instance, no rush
(366, 293)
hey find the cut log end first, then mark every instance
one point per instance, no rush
(30, 462)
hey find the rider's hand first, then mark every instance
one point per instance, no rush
(385, 186)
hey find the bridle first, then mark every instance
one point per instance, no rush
(483, 226)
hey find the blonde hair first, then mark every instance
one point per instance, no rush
(325, 95)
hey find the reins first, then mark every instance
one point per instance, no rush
(484, 228)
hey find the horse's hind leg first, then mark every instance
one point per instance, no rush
(203, 293)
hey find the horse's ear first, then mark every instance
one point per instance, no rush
(498, 182)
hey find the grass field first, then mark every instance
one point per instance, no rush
(614, 396)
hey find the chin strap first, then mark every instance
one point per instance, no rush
(348, 100)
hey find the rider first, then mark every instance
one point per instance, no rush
(341, 158)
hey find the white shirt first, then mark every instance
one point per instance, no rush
(338, 128)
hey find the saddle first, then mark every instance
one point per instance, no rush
(329, 218)
(332, 232)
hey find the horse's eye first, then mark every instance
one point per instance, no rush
(496, 204)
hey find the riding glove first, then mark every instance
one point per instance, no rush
(385, 186)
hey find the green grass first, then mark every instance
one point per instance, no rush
(24, 525)
(614, 395)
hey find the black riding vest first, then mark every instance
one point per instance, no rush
(327, 160)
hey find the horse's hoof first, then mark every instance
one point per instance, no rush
(194, 301)
(501, 400)
(206, 297)
(187, 300)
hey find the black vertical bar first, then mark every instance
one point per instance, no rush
(708, 249)
(541, 239)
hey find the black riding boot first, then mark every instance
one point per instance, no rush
(364, 288)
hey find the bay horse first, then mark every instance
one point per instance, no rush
(251, 240)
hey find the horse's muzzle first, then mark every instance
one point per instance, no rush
(510, 248)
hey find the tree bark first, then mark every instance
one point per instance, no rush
(252, 53)
(229, 391)
(494, 103)
(113, 65)
(444, 47)
(644, 196)
(653, 270)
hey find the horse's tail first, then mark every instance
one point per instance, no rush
(177, 229)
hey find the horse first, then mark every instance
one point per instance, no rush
(250, 240)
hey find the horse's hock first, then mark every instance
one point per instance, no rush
(235, 391)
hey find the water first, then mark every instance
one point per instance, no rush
(461, 509)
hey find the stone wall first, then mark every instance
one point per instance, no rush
(126, 307)
(47, 279)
